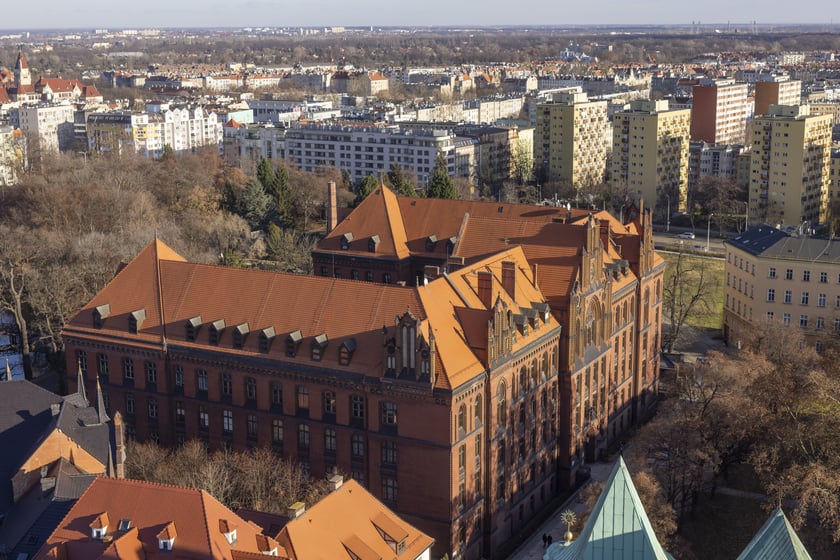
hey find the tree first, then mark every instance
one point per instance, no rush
(687, 291)
(399, 182)
(16, 257)
(523, 161)
(265, 175)
(367, 186)
(440, 184)
(255, 204)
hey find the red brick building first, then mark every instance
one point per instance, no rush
(448, 388)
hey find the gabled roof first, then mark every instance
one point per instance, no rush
(377, 215)
(151, 508)
(618, 527)
(776, 540)
(351, 519)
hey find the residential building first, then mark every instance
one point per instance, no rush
(133, 520)
(789, 173)
(773, 89)
(724, 161)
(571, 140)
(834, 177)
(650, 154)
(719, 112)
(12, 155)
(246, 144)
(48, 127)
(397, 386)
(784, 279)
(372, 531)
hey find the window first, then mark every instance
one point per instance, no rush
(369, 276)
(823, 277)
(203, 418)
(820, 323)
(821, 300)
(303, 397)
(251, 389)
(389, 413)
(227, 421)
(252, 425)
(772, 272)
(771, 295)
(803, 321)
(151, 373)
(277, 430)
(818, 346)
(389, 489)
(303, 436)
(227, 384)
(329, 402)
(357, 446)
(276, 395)
(386, 278)
(788, 296)
(770, 315)
(804, 299)
(389, 453)
(129, 403)
(837, 325)
(786, 319)
(329, 440)
(789, 274)
(357, 407)
(153, 409)
(103, 364)
(201, 380)
(180, 414)
(179, 376)
(462, 459)
(81, 359)
(128, 363)
(806, 275)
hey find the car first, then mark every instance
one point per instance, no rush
(686, 235)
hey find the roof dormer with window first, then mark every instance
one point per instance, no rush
(346, 239)
(228, 529)
(135, 320)
(100, 313)
(319, 344)
(166, 538)
(217, 328)
(293, 343)
(240, 332)
(192, 327)
(99, 526)
(266, 338)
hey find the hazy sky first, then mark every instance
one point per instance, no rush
(118, 14)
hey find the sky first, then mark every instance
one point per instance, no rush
(120, 14)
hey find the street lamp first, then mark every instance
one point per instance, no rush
(668, 217)
(708, 231)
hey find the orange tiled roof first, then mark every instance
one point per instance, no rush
(350, 518)
(4, 95)
(154, 511)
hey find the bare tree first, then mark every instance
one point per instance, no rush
(687, 291)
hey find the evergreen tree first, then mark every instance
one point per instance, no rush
(399, 182)
(284, 199)
(255, 204)
(367, 186)
(440, 184)
(265, 175)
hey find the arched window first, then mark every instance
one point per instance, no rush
(523, 381)
(501, 404)
(479, 410)
(462, 422)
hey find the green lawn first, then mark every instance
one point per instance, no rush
(709, 316)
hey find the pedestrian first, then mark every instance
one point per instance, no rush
(549, 539)
(545, 540)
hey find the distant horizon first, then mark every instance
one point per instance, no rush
(237, 14)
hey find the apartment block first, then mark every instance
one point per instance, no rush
(719, 112)
(650, 154)
(571, 139)
(794, 281)
(49, 125)
(776, 90)
(12, 156)
(789, 172)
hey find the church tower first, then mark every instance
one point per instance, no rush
(22, 75)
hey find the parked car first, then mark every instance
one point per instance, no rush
(686, 235)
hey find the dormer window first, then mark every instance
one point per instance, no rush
(135, 320)
(101, 313)
(345, 352)
(450, 244)
(266, 338)
(346, 239)
(217, 328)
(373, 243)
(319, 344)
(293, 342)
(166, 538)
(239, 334)
(124, 525)
(228, 530)
(192, 327)
(431, 241)
(267, 546)
(99, 526)
(521, 324)
(391, 357)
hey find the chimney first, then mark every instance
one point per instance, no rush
(509, 278)
(119, 438)
(296, 510)
(332, 206)
(535, 269)
(485, 288)
(336, 481)
(431, 272)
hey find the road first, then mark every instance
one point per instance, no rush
(672, 242)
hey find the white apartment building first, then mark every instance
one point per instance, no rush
(50, 125)
(369, 150)
(11, 156)
(719, 112)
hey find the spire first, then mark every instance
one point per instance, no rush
(80, 384)
(100, 403)
(8, 370)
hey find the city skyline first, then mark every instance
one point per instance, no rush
(324, 13)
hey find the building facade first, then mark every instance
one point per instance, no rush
(776, 90)
(650, 154)
(49, 126)
(571, 139)
(719, 112)
(790, 167)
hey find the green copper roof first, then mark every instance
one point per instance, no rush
(617, 529)
(776, 540)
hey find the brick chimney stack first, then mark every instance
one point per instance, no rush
(332, 206)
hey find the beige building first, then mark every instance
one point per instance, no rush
(773, 276)
(776, 90)
(834, 177)
(570, 139)
(650, 153)
(789, 172)
(719, 112)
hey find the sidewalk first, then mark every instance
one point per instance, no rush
(532, 549)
